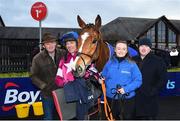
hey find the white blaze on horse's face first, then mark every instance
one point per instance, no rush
(83, 39)
(87, 44)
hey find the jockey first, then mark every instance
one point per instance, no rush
(65, 77)
(64, 73)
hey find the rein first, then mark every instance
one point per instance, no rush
(107, 108)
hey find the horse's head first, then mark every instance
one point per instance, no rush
(87, 45)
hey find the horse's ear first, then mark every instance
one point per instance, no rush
(98, 22)
(81, 23)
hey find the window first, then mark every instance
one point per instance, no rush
(161, 31)
(162, 46)
(151, 34)
(171, 36)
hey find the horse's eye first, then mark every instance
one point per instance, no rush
(94, 41)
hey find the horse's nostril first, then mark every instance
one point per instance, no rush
(79, 69)
(75, 73)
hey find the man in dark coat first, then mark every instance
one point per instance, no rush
(43, 72)
(154, 76)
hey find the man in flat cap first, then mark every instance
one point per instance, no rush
(43, 72)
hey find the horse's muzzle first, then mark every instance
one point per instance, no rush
(79, 72)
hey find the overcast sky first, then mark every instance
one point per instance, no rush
(63, 13)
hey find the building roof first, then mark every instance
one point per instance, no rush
(162, 18)
(176, 23)
(125, 28)
(30, 32)
(120, 28)
(1, 22)
(131, 28)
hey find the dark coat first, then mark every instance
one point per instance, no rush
(154, 76)
(76, 90)
(43, 71)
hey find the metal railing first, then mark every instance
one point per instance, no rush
(14, 63)
(16, 55)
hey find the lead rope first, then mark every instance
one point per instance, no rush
(106, 105)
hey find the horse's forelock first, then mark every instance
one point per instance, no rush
(89, 25)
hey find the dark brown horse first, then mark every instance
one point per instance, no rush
(91, 47)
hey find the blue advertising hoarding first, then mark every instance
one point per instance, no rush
(172, 87)
(16, 91)
(21, 90)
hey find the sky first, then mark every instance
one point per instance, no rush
(63, 13)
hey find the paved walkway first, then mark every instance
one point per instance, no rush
(169, 108)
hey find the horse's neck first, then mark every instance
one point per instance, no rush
(103, 56)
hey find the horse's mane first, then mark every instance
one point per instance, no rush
(104, 54)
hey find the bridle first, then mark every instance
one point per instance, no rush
(79, 54)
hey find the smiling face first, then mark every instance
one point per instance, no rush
(71, 46)
(50, 46)
(121, 49)
(144, 50)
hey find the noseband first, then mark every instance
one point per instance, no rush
(90, 56)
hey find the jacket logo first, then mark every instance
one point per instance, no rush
(125, 72)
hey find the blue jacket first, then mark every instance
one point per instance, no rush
(124, 73)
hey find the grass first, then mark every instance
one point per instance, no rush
(174, 70)
(27, 74)
(14, 75)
